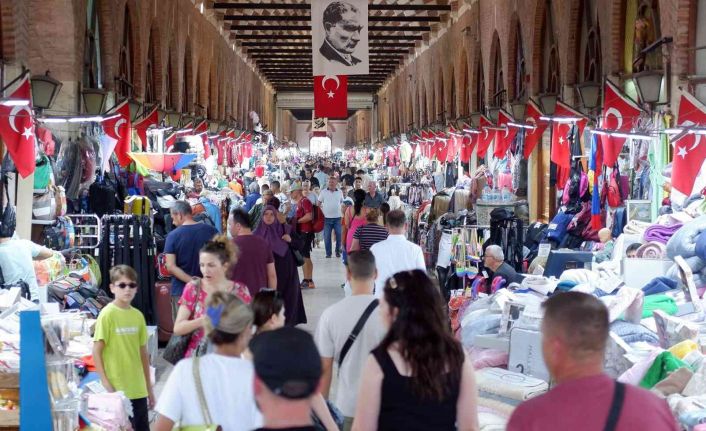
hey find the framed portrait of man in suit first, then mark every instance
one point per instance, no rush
(339, 33)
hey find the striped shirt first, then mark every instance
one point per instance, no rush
(370, 234)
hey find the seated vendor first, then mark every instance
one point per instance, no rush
(631, 251)
(494, 261)
(195, 193)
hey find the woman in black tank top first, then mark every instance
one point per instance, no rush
(418, 378)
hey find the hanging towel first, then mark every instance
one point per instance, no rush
(664, 364)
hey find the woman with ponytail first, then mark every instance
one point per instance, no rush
(216, 257)
(354, 218)
(224, 377)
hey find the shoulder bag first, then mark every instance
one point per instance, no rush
(176, 348)
(356, 331)
(208, 423)
(615, 407)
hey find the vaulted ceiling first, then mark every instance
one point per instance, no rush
(276, 35)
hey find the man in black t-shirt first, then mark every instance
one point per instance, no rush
(287, 376)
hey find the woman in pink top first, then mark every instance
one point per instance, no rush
(215, 258)
(354, 217)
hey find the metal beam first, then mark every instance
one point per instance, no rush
(307, 6)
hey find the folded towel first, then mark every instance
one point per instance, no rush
(659, 285)
(659, 302)
(652, 250)
(659, 233)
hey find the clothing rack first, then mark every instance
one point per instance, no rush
(127, 239)
(88, 232)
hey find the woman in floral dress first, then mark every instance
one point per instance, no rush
(215, 259)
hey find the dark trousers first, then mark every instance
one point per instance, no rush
(140, 415)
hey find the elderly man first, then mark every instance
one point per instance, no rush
(574, 333)
(494, 260)
(342, 25)
(373, 199)
(253, 197)
(331, 199)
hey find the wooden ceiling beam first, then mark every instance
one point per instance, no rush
(268, 43)
(380, 28)
(298, 50)
(305, 18)
(307, 6)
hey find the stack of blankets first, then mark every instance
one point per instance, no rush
(689, 242)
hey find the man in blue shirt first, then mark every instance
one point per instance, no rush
(182, 248)
(253, 197)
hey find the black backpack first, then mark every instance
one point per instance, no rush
(102, 197)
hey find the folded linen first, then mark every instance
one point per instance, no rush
(659, 285)
(508, 385)
(628, 301)
(633, 332)
(652, 250)
(701, 245)
(683, 242)
(636, 227)
(659, 302)
(663, 364)
(659, 233)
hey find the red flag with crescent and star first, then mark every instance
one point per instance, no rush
(561, 148)
(331, 96)
(118, 128)
(619, 115)
(533, 136)
(17, 130)
(688, 169)
(468, 144)
(486, 136)
(145, 123)
(504, 138)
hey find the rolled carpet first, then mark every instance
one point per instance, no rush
(652, 250)
(659, 233)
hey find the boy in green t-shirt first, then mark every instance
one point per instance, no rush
(120, 347)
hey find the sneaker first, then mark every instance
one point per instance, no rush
(304, 285)
(329, 257)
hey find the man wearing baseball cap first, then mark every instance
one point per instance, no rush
(287, 376)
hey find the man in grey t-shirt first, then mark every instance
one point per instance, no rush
(337, 323)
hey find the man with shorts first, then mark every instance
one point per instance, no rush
(304, 216)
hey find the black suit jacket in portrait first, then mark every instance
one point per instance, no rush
(331, 54)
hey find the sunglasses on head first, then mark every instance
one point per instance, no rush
(124, 285)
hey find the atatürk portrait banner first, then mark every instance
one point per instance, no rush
(339, 37)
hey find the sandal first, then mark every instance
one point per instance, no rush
(304, 285)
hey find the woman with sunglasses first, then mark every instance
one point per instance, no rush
(418, 378)
(278, 235)
(216, 257)
(224, 376)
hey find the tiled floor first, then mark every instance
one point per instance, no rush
(329, 274)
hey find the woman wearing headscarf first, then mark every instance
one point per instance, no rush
(277, 234)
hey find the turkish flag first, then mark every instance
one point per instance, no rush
(504, 138)
(331, 96)
(561, 147)
(533, 136)
(468, 144)
(17, 130)
(169, 141)
(688, 168)
(486, 136)
(118, 128)
(142, 126)
(442, 146)
(620, 114)
(201, 130)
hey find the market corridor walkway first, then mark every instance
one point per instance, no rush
(329, 274)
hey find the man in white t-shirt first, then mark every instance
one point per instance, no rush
(395, 254)
(335, 327)
(330, 201)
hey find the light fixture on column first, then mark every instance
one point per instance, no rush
(519, 108)
(213, 127)
(93, 100)
(173, 118)
(649, 85)
(475, 119)
(547, 101)
(493, 113)
(590, 94)
(135, 106)
(161, 115)
(44, 90)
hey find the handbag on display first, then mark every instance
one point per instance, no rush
(44, 206)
